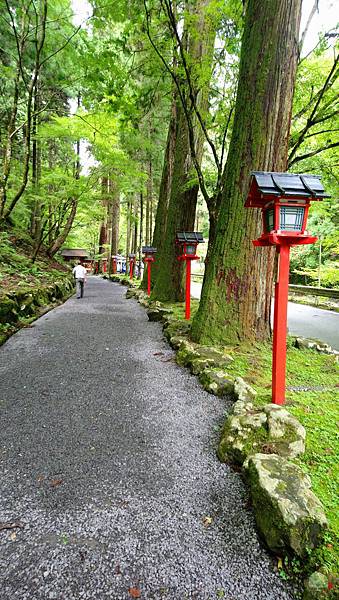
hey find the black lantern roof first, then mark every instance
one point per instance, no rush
(270, 184)
(148, 250)
(189, 237)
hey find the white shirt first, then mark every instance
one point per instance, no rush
(80, 272)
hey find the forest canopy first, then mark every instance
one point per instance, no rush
(111, 121)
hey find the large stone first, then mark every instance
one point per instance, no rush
(314, 344)
(174, 327)
(186, 353)
(217, 382)
(250, 430)
(288, 514)
(244, 433)
(132, 293)
(158, 313)
(285, 432)
(8, 310)
(207, 358)
(176, 341)
(243, 391)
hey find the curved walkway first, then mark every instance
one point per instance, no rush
(108, 467)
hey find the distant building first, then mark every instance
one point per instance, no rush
(75, 254)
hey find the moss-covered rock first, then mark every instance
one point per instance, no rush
(115, 278)
(243, 391)
(249, 430)
(314, 344)
(285, 432)
(242, 435)
(21, 305)
(176, 341)
(173, 327)
(132, 293)
(8, 310)
(217, 382)
(158, 313)
(186, 354)
(288, 514)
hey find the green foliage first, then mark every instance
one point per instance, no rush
(17, 269)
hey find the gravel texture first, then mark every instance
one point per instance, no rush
(107, 461)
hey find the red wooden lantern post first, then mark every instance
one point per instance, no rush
(284, 199)
(131, 265)
(148, 259)
(188, 242)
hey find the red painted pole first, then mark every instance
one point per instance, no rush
(280, 327)
(148, 278)
(131, 265)
(188, 290)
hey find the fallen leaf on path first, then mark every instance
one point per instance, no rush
(11, 525)
(117, 570)
(13, 536)
(134, 592)
(56, 482)
(280, 563)
(158, 354)
(207, 521)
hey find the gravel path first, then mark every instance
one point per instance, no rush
(107, 460)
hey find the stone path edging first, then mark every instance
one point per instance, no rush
(32, 303)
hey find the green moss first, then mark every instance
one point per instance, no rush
(316, 407)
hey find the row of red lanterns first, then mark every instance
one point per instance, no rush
(284, 199)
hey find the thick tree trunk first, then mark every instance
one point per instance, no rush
(128, 234)
(135, 225)
(115, 218)
(149, 202)
(236, 296)
(169, 284)
(114, 222)
(164, 194)
(103, 232)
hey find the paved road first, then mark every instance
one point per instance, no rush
(306, 321)
(107, 460)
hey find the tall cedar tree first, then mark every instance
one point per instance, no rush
(236, 295)
(183, 193)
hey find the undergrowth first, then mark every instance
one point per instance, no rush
(17, 270)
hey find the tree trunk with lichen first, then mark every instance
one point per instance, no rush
(236, 296)
(199, 39)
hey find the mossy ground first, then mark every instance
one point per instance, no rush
(17, 271)
(312, 397)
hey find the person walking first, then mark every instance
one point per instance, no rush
(80, 273)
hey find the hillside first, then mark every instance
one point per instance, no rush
(17, 271)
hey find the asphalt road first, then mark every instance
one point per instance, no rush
(306, 321)
(108, 467)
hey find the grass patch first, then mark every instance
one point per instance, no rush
(312, 397)
(179, 309)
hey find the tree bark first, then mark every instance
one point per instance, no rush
(236, 296)
(184, 186)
